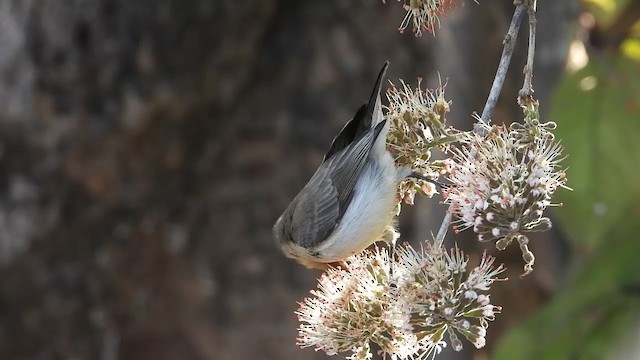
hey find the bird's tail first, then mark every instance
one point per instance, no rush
(373, 114)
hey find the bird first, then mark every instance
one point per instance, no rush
(351, 198)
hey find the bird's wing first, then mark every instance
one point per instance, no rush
(347, 165)
(347, 134)
(367, 117)
(326, 197)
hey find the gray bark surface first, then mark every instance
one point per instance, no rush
(147, 147)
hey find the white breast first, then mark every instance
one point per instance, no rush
(371, 210)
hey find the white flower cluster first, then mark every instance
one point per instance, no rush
(405, 306)
(502, 182)
(417, 125)
(424, 15)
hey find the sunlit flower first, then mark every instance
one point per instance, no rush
(417, 118)
(424, 15)
(502, 182)
(532, 129)
(405, 306)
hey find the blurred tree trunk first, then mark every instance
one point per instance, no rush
(146, 148)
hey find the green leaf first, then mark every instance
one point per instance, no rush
(593, 313)
(598, 114)
(631, 49)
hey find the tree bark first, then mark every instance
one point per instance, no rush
(147, 147)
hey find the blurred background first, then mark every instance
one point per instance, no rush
(147, 147)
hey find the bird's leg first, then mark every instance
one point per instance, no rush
(418, 176)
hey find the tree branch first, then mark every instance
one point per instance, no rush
(527, 87)
(509, 45)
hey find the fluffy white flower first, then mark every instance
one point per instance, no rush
(424, 15)
(502, 182)
(404, 305)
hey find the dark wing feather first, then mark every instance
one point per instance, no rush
(372, 116)
(347, 134)
(348, 165)
(317, 213)
(365, 118)
(326, 197)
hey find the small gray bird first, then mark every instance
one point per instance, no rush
(351, 199)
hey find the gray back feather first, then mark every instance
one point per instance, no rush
(324, 200)
(316, 211)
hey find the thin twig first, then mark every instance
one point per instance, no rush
(527, 87)
(442, 232)
(509, 45)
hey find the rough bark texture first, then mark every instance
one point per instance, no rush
(146, 148)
